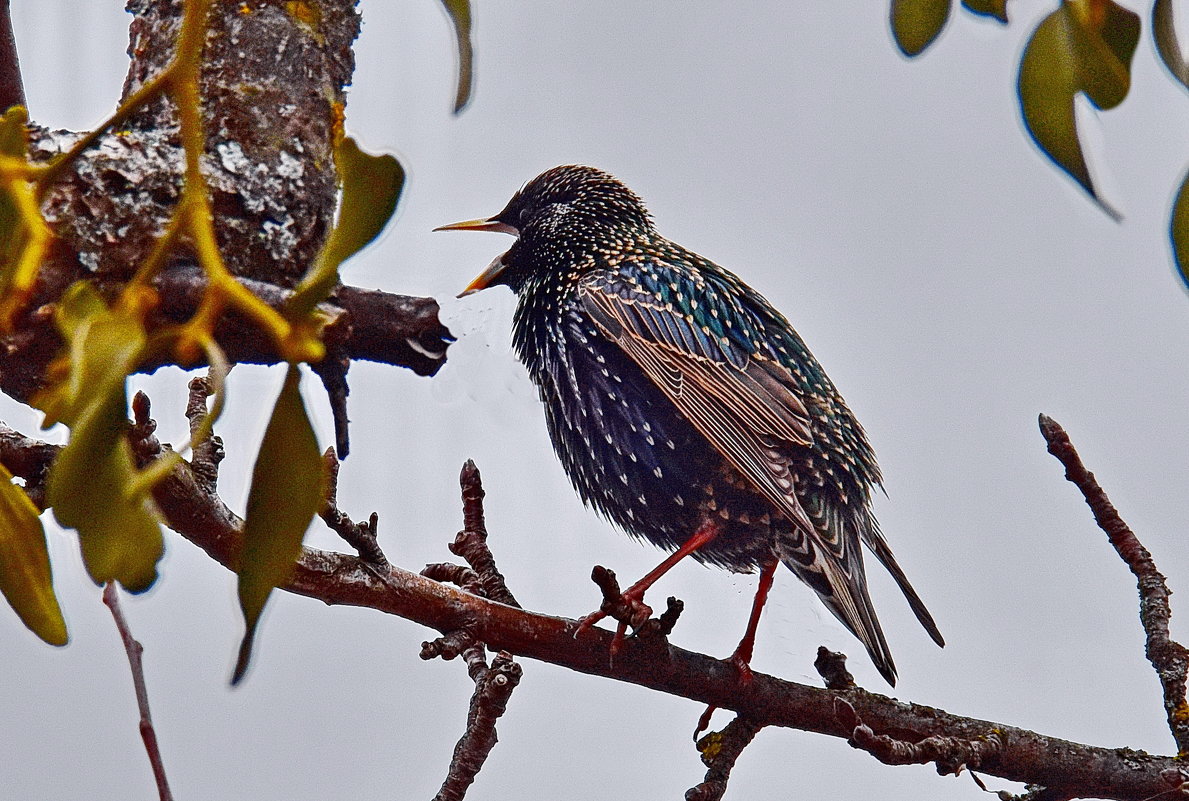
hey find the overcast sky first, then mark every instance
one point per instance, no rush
(951, 281)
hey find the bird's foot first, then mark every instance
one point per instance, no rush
(628, 608)
(742, 664)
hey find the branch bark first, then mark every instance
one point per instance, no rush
(12, 88)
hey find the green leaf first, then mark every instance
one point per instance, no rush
(288, 489)
(1165, 34)
(1106, 36)
(89, 484)
(916, 23)
(371, 188)
(1179, 230)
(989, 8)
(1083, 46)
(25, 576)
(459, 12)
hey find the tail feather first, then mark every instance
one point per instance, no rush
(879, 547)
(830, 560)
(841, 585)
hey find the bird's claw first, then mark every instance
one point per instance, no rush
(740, 663)
(628, 609)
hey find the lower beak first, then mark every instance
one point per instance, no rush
(485, 278)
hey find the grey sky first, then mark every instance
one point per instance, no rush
(951, 281)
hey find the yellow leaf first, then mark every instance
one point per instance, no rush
(1080, 47)
(459, 12)
(916, 23)
(24, 235)
(1179, 230)
(25, 576)
(288, 489)
(1165, 34)
(990, 8)
(371, 188)
(89, 485)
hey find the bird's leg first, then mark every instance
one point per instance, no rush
(630, 606)
(741, 658)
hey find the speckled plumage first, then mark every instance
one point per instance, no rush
(676, 394)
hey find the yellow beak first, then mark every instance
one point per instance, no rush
(496, 267)
(485, 278)
(486, 224)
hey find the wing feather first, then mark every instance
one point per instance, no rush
(745, 405)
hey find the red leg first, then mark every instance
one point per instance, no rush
(741, 658)
(634, 595)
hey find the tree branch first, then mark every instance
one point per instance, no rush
(493, 687)
(12, 89)
(720, 750)
(1168, 657)
(193, 509)
(399, 330)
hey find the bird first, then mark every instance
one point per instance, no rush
(684, 407)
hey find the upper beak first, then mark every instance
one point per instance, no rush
(487, 224)
(487, 276)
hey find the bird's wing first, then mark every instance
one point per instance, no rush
(749, 408)
(745, 405)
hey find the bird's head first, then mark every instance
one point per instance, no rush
(558, 217)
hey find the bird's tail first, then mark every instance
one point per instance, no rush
(830, 561)
(875, 541)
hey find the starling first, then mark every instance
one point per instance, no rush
(683, 406)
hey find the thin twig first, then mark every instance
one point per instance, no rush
(471, 542)
(360, 536)
(950, 754)
(720, 750)
(831, 665)
(1168, 657)
(494, 684)
(134, 650)
(208, 453)
(333, 372)
(493, 687)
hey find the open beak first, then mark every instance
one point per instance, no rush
(496, 267)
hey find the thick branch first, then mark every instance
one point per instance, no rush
(1168, 657)
(273, 96)
(12, 89)
(1078, 770)
(378, 326)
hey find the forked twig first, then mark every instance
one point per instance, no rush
(494, 684)
(1168, 657)
(720, 750)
